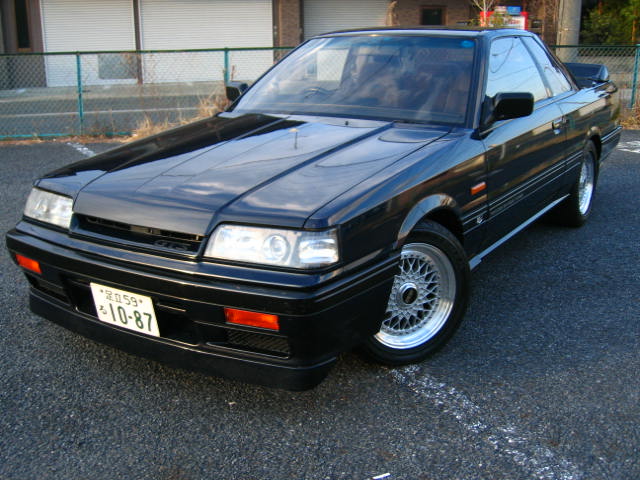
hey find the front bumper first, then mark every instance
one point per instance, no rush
(320, 315)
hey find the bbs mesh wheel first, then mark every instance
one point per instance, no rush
(428, 298)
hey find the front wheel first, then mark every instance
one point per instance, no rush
(427, 301)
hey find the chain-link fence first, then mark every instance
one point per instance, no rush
(111, 93)
(620, 60)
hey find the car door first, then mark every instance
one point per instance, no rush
(524, 155)
(582, 108)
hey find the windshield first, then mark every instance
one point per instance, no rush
(410, 78)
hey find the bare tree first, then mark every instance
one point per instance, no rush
(392, 14)
(547, 11)
(484, 6)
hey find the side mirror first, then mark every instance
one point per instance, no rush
(504, 106)
(512, 105)
(602, 76)
(588, 74)
(235, 89)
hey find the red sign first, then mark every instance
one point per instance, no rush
(510, 21)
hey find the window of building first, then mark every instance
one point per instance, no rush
(22, 24)
(434, 16)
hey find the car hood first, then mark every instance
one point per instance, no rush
(253, 169)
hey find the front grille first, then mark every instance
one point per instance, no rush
(47, 288)
(259, 342)
(176, 242)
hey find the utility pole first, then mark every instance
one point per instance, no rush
(568, 26)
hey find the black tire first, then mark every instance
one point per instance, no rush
(576, 208)
(428, 300)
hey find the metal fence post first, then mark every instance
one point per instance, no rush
(80, 100)
(227, 74)
(634, 83)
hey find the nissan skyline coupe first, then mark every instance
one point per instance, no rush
(339, 203)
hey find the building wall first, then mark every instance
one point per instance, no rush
(409, 11)
(8, 31)
(1, 35)
(20, 72)
(549, 17)
(288, 21)
(8, 26)
(287, 17)
(4, 79)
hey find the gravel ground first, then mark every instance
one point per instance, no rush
(539, 383)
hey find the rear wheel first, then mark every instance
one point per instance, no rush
(575, 210)
(427, 301)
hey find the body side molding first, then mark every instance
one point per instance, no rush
(475, 260)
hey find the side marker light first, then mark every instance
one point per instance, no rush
(478, 188)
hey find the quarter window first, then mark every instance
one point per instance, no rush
(511, 69)
(555, 77)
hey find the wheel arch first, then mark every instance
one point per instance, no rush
(594, 135)
(439, 208)
(597, 142)
(595, 139)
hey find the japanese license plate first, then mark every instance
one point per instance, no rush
(125, 309)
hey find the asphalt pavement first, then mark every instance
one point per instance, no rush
(540, 382)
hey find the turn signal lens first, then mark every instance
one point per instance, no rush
(28, 263)
(252, 319)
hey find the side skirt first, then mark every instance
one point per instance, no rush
(475, 260)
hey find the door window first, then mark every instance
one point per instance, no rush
(511, 69)
(555, 77)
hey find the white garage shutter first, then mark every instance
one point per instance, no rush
(88, 25)
(196, 24)
(321, 16)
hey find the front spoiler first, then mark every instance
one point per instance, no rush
(246, 370)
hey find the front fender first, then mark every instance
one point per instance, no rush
(421, 210)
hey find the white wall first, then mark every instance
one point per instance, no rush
(321, 16)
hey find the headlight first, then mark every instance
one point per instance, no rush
(49, 207)
(270, 246)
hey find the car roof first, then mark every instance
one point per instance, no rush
(471, 32)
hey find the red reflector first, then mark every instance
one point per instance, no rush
(253, 319)
(28, 264)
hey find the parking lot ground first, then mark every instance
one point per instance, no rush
(541, 381)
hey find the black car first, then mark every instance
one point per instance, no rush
(340, 202)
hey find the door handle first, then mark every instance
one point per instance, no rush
(557, 123)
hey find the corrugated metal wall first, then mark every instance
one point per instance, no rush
(167, 24)
(85, 25)
(321, 16)
(98, 25)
